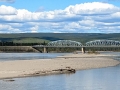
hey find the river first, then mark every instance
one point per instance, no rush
(28, 56)
(93, 79)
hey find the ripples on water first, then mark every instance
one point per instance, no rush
(28, 56)
(94, 79)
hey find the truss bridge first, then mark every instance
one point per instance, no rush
(70, 43)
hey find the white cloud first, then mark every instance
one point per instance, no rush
(7, 10)
(116, 14)
(41, 9)
(113, 0)
(34, 29)
(85, 17)
(92, 8)
(9, 1)
(8, 29)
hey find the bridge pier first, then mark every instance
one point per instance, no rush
(45, 50)
(83, 49)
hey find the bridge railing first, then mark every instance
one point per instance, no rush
(64, 43)
(103, 43)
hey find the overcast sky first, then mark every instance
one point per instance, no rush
(60, 16)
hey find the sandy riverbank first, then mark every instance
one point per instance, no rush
(23, 68)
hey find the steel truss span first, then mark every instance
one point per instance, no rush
(103, 43)
(64, 43)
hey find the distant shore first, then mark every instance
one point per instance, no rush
(25, 68)
(18, 49)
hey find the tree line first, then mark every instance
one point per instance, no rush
(20, 44)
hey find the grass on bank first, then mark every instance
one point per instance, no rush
(30, 40)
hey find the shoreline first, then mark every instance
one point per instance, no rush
(59, 65)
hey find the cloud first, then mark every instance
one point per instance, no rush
(82, 18)
(92, 8)
(7, 10)
(41, 9)
(8, 1)
(113, 0)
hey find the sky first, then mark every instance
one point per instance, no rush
(59, 16)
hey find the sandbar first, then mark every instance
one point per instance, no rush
(25, 68)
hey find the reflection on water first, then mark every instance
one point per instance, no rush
(94, 79)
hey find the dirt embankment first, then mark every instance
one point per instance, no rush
(17, 49)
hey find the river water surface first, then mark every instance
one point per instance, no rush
(93, 79)
(28, 56)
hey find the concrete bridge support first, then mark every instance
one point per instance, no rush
(83, 49)
(45, 50)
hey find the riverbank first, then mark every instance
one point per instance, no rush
(24, 68)
(18, 49)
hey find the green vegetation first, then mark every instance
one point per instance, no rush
(30, 40)
(40, 37)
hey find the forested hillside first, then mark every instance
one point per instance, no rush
(42, 38)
